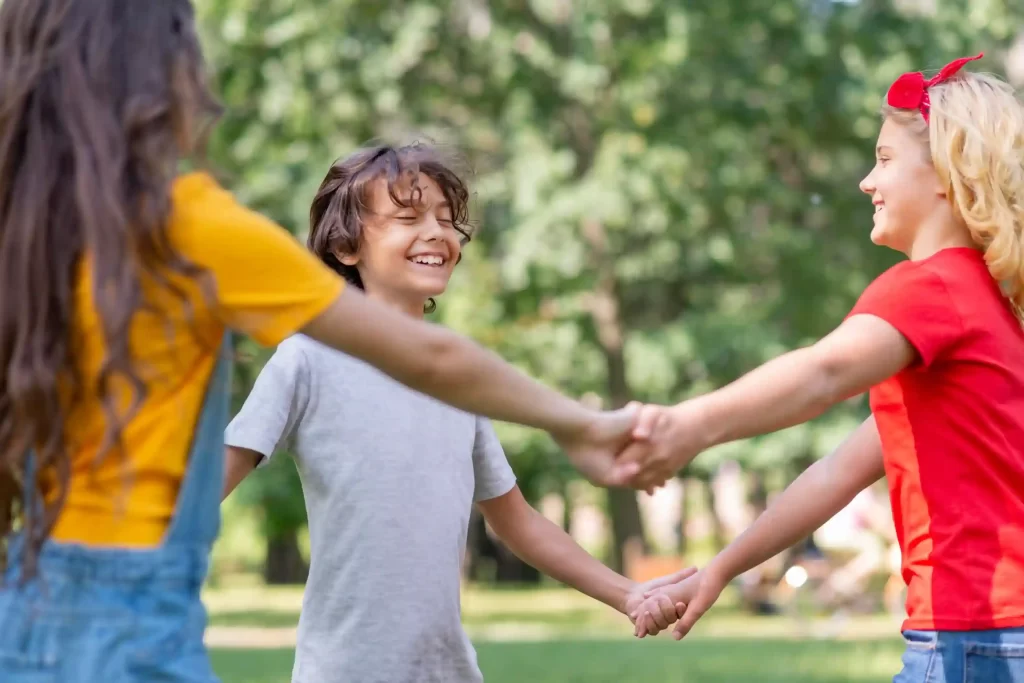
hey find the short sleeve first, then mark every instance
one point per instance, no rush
(914, 300)
(267, 285)
(493, 475)
(275, 405)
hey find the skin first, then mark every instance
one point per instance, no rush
(394, 238)
(913, 216)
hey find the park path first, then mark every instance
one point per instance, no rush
(250, 637)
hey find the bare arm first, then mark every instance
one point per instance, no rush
(815, 497)
(545, 546)
(825, 488)
(238, 463)
(786, 391)
(803, 384)
(459, 372)
(436, 361)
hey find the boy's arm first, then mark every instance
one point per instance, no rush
(825, 488)
(545, 546)
(238, 463)
(535, 539)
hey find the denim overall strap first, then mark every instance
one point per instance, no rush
(196, 517)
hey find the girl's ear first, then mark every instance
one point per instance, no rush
(347, 259)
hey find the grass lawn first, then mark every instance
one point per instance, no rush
(615, 661)
(557, 636)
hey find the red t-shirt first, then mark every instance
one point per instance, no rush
(952, 429)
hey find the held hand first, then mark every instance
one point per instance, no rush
(663, 606)
(636, 597)
(666, 439)
(698, 594)
(594, 448)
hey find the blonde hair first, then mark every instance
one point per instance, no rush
(975, 138)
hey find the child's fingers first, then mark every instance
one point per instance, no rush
(680, 609)
(680, 575)
(690, 616)
(666, 612)
(646, 421)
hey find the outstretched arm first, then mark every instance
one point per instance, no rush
(545, 546)
(817, 495)
(825, 488)
(452, 368)
(783, 392)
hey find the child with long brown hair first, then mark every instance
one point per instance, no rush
(118, 283)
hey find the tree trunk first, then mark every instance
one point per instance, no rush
(486, 554)
(477, 546)
(758, 493)
(284, 563)
(717, 526)
(567, 508)
(623, 509)
(510, 569)
(684, 517)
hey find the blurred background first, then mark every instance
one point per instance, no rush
(666, 194)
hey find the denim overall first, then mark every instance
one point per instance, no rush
(96, 615)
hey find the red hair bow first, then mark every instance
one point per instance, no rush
(910, 91)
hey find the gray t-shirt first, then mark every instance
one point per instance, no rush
(389, 477)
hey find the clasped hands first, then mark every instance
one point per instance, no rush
(640, 446)
(681, 599)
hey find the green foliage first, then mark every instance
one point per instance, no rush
(667, 191)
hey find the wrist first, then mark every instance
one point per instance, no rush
(704, 411)
(621, 594)
(719, 572)
(571, 419)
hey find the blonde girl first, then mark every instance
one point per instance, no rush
(938, 342)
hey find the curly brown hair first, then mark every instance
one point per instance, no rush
(101, 99)
(340, 208)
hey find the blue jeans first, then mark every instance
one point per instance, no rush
(963, 657)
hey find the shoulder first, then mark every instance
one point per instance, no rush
(927, 284)
(321, 359)
(191, 193)
(295, 347)
(915, 274)
(202, 212)
(963, 272)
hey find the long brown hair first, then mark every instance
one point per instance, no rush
(101, 98)
(340, 207)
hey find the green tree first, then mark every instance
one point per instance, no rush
(668, 191)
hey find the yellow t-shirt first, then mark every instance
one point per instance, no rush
(264, 284)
